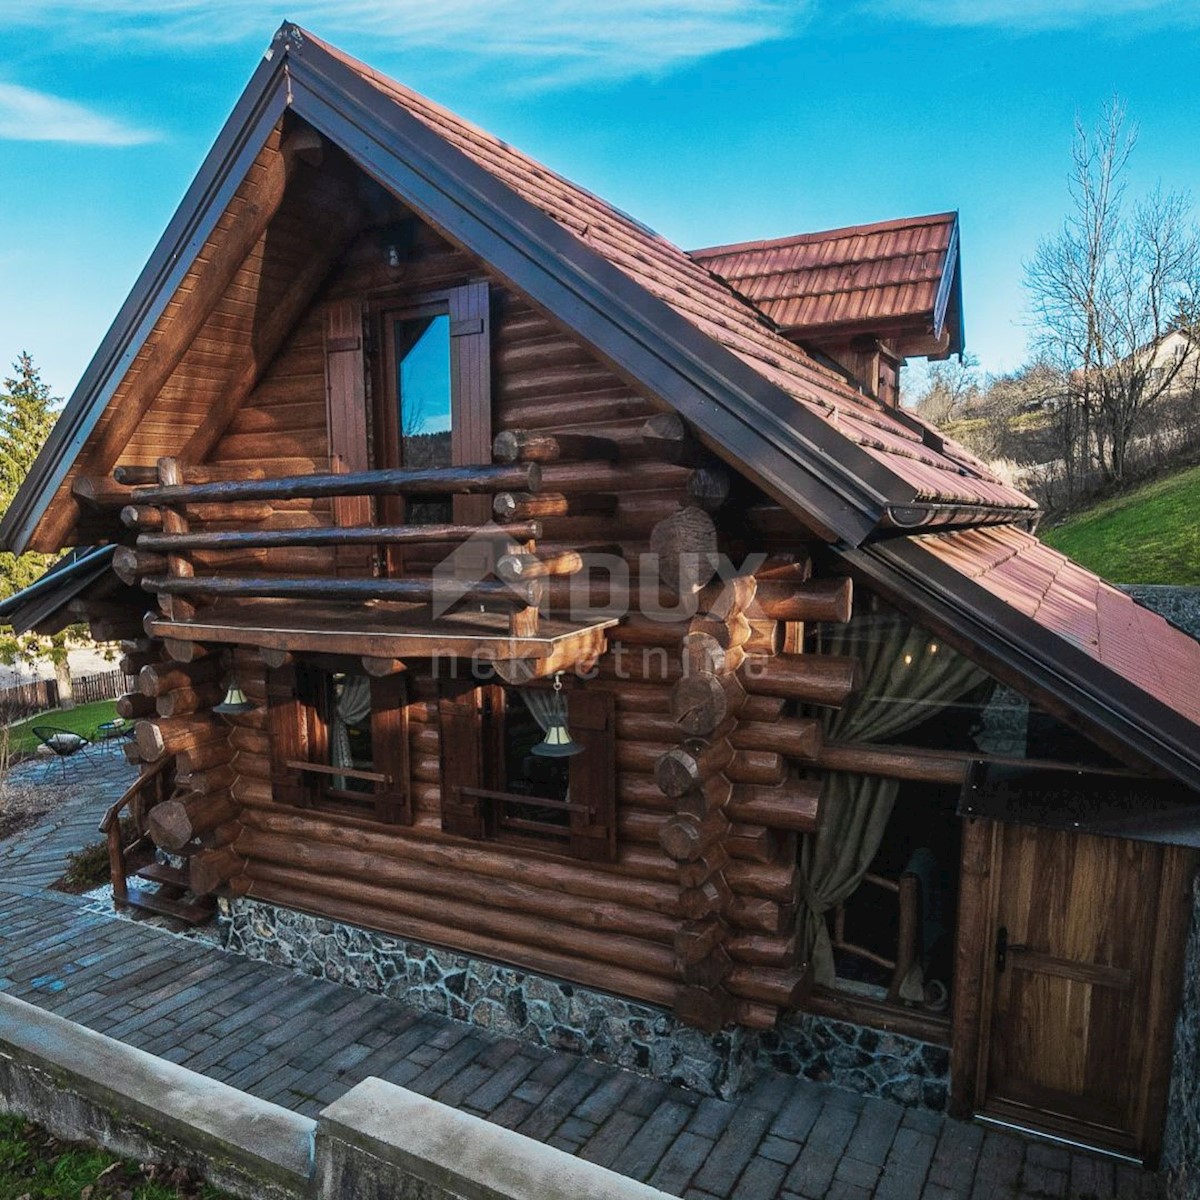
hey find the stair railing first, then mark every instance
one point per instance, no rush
(150, 788)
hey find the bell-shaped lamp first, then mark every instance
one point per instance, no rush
(558, 742)
(235, 701)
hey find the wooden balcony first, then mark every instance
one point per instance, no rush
(480, 600)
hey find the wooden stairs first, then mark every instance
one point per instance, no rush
(131, 854)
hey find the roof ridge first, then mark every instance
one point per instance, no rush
(828, 235)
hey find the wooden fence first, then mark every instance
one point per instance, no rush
(24, 699)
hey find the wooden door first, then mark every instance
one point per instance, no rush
(1074, 1004)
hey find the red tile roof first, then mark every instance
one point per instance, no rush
(888, 271)
(1135, 643)
(948, 475)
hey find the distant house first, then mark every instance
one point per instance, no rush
(572, 632)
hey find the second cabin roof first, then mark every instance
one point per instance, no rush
(892, 278)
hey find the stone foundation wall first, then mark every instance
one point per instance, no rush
(860, 1059)
(1181, 1137)
(564, 1016)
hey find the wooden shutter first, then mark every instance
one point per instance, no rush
(287, 727)
(461, 721)
(389, 747)
(591, 717)
(471, 391)
(346, 393)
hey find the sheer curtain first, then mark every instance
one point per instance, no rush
(906, 674)
(352, 708)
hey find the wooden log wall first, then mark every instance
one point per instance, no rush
(698, 911)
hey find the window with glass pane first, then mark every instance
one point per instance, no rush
(347, 712)
(425, 423)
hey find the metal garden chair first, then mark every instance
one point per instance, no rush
(64, 743)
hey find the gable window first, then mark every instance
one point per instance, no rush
(495, 787)
(339, 741)
(433, 399)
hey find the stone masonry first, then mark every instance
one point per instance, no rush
(563, 1016)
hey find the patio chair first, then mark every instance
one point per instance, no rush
(64, 743)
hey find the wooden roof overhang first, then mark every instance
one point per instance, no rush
(795, 429)
(384, 633)
(1133, 711)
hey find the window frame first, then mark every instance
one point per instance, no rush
(298, 732)
(469, 308)
(472, 771)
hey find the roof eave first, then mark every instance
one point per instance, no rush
(260, 106)
(1046, 661)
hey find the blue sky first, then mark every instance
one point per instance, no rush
(711, 120)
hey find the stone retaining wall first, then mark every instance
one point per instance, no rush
(377, 1142)
(564, 1016)
(1181, 1137)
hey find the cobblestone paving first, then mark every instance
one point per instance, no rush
(302, 1042)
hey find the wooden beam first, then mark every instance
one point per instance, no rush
(523, 593)
(334, 536)
(434, 481)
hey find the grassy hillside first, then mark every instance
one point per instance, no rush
(1149, 535)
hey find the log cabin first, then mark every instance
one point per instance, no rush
(505, 583)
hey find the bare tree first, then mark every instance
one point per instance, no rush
(949, 386)
(1107, 290)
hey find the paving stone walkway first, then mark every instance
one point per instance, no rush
(302, 1042)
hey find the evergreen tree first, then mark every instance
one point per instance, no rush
(27, 414)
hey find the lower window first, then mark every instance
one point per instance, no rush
(339, 741)
(495, 787)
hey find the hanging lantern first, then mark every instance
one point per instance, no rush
(235, 701)
(557, 743)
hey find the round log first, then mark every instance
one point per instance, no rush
(524, 445)
(783, 988)
(792, 806)
(685, 837)
(701, 702)
(757, 766)
(189, 700)
(708, 487)
(212, 869)
(826, 679)
(691, 764)
(685, 544)
(203, 757)
(796, 737)
(129, 565)
(514, 567)
(133, 705)
(173, 735)
(814, 600)
(176, 822)
(156, 679)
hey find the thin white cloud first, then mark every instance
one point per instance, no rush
(543, 39)
(1034, 15)
(30, 116)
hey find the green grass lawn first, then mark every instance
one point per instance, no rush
(35, 1164)
(1148, 535)
(83, 719)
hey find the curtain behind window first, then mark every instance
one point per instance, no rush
(905, 671)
